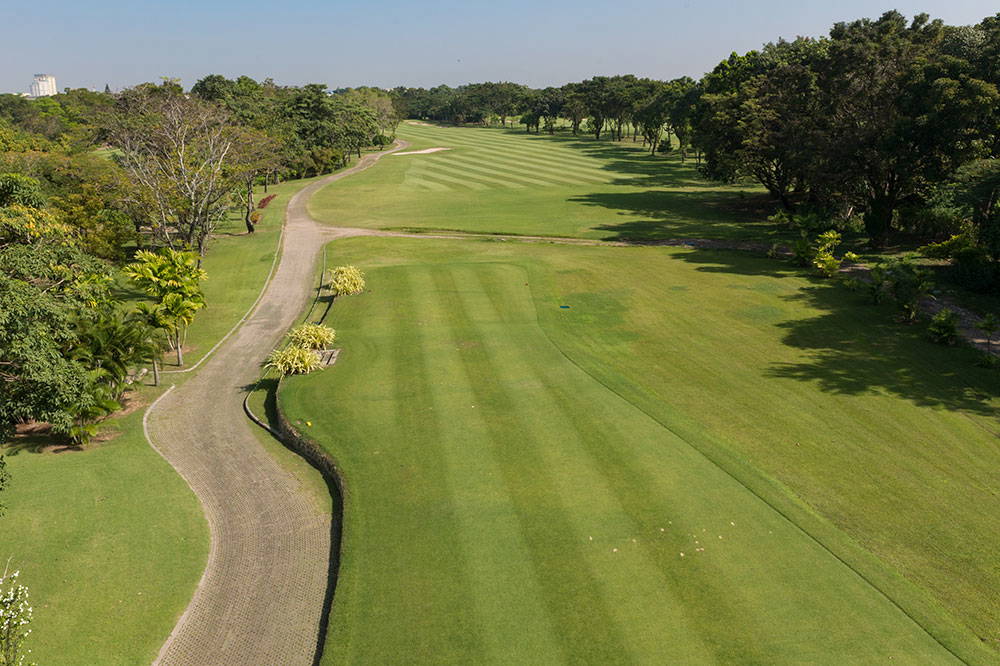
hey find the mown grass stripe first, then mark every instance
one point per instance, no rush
(506, 586)
(425, 184)
(555, 155)
(584, 621)
(633, 577)
(412, 403)
(549, 151)
(514, 171)
(440, 176)
(529, 162)
(459, 171)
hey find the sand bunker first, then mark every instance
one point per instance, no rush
(422, 152)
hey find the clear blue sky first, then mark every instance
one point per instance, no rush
(390, 42)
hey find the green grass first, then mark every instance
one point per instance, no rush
(497, 449)
(486, 434)
(504, 181)
(110, 540)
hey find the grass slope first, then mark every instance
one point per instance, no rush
(504, 181)
(521, 479)
(109, 540)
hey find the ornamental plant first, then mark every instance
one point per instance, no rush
(293, 360)
(266, 200)
(347, 280)
(943, 328)
(312, 336)
(822, 253)
(15, 616)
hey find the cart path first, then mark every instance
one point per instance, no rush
(260, 599)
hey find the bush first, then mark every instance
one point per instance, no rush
(255, 217)
(908, 284)
(943, 328)
(823, 248)
(347, 280)
(266, 200)
(293, 360)
(946, 249)
(972, 269)
(312, 336)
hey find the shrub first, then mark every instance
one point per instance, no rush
(908, 284)
(803, 251)
(943, 328)
(312, 336)
(822, 255)
(266, 200)
(946, 249)
(293, 360)
(255, 217)
(877, 285)
(15, 616)
(972, 268)
(347, 280)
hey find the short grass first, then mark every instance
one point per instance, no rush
(109, 540)
(522, 478)
(505, 181)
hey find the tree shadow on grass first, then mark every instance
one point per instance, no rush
(671, 214)
(855, 348)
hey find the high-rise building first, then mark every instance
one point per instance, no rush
(43, 85)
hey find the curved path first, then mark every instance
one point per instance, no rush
(260, 599)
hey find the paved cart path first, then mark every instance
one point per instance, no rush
(260, 599)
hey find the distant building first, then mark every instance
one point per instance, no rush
(44, 85)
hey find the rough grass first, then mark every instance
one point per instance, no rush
(521, 478)
(504, 181)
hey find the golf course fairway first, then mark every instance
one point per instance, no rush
(559, 453)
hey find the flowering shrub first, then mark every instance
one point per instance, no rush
(347, 280)
(266, 200)
(15, 616)
(312, 336)
(293, 360)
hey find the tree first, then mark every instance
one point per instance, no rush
(177, 152)
(574, 106)
(896, 113)
(46, 283)
(254, 154)
(173, 279)
(652, 113)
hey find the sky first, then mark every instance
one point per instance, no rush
(390, 42)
